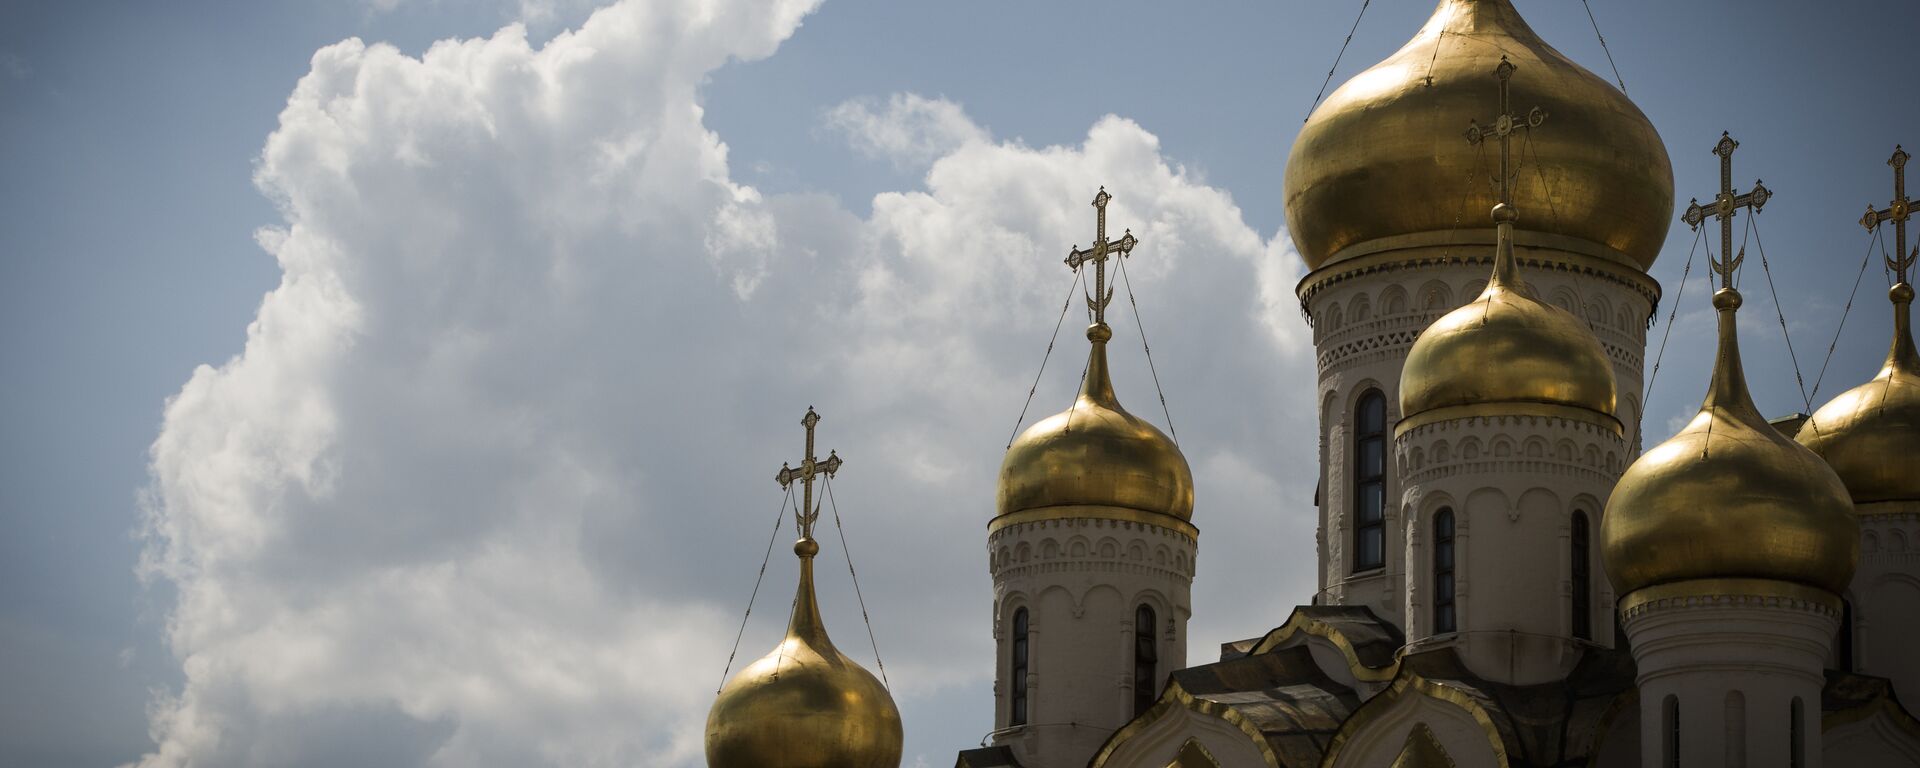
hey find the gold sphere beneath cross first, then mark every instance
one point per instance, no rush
(1729, 497)
(1871, 434)
(1096, 455)
(1385, 155)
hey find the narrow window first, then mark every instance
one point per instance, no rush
(1370, 486)
(1582, 579)
(1443, 618)
(1844, 644)
(1146, 658)
(1017, 713)
(1736, 730)
(1797, 756)
(1670, 728)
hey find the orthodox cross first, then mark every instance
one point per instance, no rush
(1723, 208)
(1504, 126)
(808, 469)
(1098, 255)
(1897, 212)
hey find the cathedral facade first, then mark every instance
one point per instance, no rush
(1507, 576)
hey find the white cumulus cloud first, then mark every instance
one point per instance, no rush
(486, 483)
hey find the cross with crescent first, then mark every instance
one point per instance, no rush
(1504, 126)
(1896, 212)
(1102, 294)
(1725, 204)
(808, 469)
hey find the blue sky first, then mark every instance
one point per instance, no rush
(136, 189)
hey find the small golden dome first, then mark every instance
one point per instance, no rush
(1871, 433)
(1729, 497)
(1096, 454)
(1384, 155)
(805, 705)
(1507, 347)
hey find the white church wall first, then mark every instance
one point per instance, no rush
(1367, 314)
(1743, 673)
(1886, 596)
(1081, 580)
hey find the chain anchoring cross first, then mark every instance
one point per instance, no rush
(809, 468)
(1897, 212)
(1724, 206)
(1503, 128)
(1102, 294)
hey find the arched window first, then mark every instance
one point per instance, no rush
(1146, 661)
(1582, 579)
(1443, 618)
(1017, 711)
(1670, 732)
(1797, 754)
(1370, 482)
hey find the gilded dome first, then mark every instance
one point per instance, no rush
(804, 705)
(1385, 155)
(1871, 433)
(1507, 347)
(1096, 454)
(1729, 497)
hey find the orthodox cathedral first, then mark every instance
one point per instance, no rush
(1505, 577)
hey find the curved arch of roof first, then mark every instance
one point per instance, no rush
(1176, 698)
(1299, 623)
(1408, 683)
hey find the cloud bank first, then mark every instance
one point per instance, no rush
(486, 484)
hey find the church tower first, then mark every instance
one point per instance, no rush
(1731, 545)
(1386, 201)
(1871, 436)
(1092, 556)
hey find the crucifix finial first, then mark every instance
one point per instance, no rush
(1101, 293)
(1503, 128)
(808, 469)
(1897, 212)
(1725, 204)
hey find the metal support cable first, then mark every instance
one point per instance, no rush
(1336, 61)
(1603, 46)
(1141, 324)
(848, 552)
(1647, 396)
(1072, 288)
(764, 559)
(1875, 238)
(1779, 312)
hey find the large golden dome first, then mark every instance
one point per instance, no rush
(1871, 434)
(1095, 454)
(1729, 497)
(1385, 155)
(1506, 347)
(805, 705)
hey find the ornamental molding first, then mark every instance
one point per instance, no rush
(1517, 444)
(1644, 286)
(1701, 602)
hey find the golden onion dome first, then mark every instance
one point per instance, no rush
(1871, 434)
(805, 705)
(1506, 348)
(1384, 156)
(1096, 454)
(1729, 497)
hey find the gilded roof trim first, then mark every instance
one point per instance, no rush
(1302, 623)
(1176, 697)
(1409, 680)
